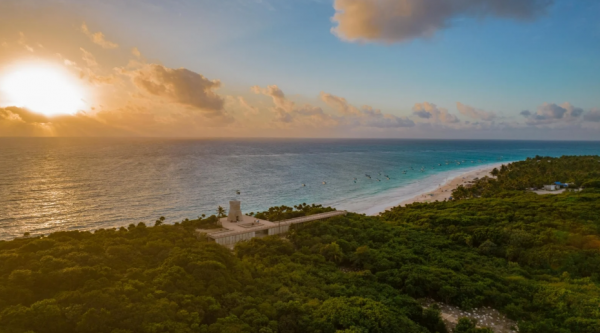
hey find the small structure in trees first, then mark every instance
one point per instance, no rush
(237, 227)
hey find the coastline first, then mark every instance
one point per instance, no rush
(436, 187)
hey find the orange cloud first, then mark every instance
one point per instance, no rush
(88, 58)
(180, 86)
(21, 122)
(340, 104)
(22, 41)
(136, 52)
(98, 38)
(287, 111)
(366, 116)
(248, 109)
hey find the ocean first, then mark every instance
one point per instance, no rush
(52, 184)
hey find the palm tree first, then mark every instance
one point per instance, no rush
(221, 212)
(160, 221)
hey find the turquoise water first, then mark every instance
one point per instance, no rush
(66, 184)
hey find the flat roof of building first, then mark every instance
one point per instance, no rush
(252, 224)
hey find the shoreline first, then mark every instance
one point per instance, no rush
(436, 187)
(444, 191)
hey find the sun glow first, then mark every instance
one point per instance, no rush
(42, 89)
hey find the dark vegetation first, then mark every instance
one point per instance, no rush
(535, 258)
(581, 171)
(284, 212)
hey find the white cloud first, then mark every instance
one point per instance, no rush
(431, 113)
(551, 113)
(471, 112)
(593, 116)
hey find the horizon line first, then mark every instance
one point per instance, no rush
(289, 138)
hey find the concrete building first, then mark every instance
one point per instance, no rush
(552, 187)
(245, 227)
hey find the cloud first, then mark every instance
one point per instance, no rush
(23, 42)
(366, 116)
(471, 112)
(434, 114)
(593, 116)
(22, 115)
(287, 111)
(93, 72)
(401, 20)
(129, 120)
(136, 53)
(340, 104)
(249, 110)
(98, 38)
(550, 113)
(375, 118)
(88, 58)
(21, 122)
(180, 86)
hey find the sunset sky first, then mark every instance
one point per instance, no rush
(456, 69)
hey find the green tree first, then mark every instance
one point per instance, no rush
(466, 325)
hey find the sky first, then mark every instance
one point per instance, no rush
(440, 69)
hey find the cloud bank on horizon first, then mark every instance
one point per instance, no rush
(130, 95)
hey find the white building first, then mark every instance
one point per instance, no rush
(237, 227)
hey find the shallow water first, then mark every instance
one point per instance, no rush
(50, 184)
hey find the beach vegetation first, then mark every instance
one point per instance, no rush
(534, 173)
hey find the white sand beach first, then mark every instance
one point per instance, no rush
(437, 187)
(444, 191)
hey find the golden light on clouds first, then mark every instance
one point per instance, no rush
(41, 88)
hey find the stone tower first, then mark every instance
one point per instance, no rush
(235, 212)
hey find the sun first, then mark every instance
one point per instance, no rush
(42, 89)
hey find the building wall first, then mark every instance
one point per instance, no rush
(230, 240)
(275, 231)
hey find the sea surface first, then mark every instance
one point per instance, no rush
(51, 184)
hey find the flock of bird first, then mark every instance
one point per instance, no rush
(457, 162)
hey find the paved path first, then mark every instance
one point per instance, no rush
(309, 218)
